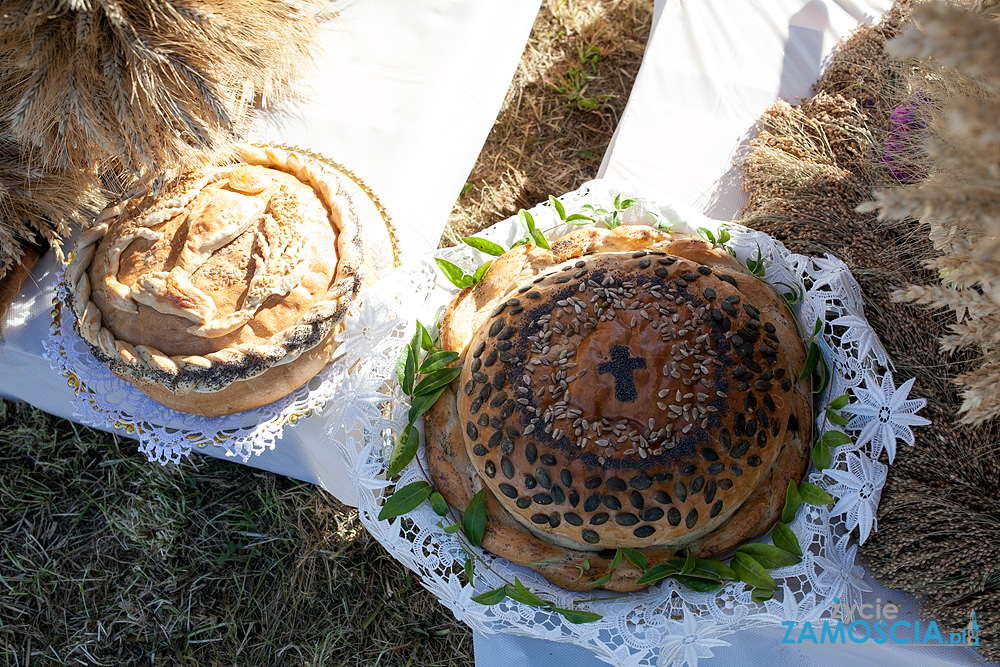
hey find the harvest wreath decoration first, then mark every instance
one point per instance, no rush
(748, 578)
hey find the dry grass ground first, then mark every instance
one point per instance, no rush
(110, 560)
(561, 110)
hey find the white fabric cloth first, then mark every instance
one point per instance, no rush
(404, 95)
(711, 68)
(749, 648)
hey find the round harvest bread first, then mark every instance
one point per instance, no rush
(629, 388)
(222, 294)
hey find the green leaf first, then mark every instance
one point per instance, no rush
(617, 560)
(792, 502)
(436, 380)
(723, 234)
(835, 418)
(520, 593)
(840, 402)
(824, 377)
(405, 370)
(769, 556)
(785, 539)
(812, 358)
(712, 569)
(414, 362)
(821, 455)
(557, 205)
(814, 495)
(405, 499)
(761, 594)
(483, 245)
(422, 403)
(436, 360)
(437, 319)
(698, 584)
(751, 572)
(425, 340)
(636, 558)
(403, 452)
(621, 204)
(520, 242)
(438, 504)
(492, 597)
(793, 295)
(581, 217)
(688, 563)
(576, 616)
(474, 518)
(452, 529)
(481, 272)
(526, 219)
(409, 371)
(470, 569)
(454, 273)
(817, 328)
(657, 572)
(540, 239)
(600, 582)
(756, 266)
(582, 567)
(707, 234)
(417, 341)
(835, 438)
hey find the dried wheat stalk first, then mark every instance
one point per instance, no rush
(38, 202)
(959, 201)
(143, 82)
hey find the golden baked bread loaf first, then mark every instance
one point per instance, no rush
(629, 388)
(223, 294)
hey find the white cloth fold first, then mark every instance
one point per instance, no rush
(711, 68)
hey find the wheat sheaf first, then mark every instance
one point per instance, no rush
(959, 200)
(143, 81)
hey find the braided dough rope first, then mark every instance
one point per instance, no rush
(218, 370)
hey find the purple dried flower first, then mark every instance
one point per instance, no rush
(898, 154)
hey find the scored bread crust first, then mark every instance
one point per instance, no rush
(224, 293)
(556, 499)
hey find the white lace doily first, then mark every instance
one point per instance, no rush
(667, 624)
(165, 435)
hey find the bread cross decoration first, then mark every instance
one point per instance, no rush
(621, 367)
(252, 197)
